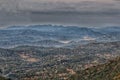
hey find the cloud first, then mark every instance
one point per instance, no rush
(92, 12)
(116, 0)
(55, 5)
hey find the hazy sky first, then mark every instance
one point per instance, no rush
(70, 12)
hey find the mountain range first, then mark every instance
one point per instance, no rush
(56, 35)
(56, 52)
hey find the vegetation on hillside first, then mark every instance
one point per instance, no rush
(2, 78)
(41, 63)
(108, 71)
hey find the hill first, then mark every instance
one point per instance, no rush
(55, 36)
(2, 78)
(107, 71)
(34, 62)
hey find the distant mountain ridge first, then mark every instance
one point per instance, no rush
(54, 35)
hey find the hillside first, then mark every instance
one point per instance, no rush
(2, 78)
(55, 36)
(108, 71)
(33, 62)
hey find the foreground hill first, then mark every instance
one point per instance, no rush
(108, 71)
(40, 63)
(2, 78)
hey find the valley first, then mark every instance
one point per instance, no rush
(47, 52)
(49, 63)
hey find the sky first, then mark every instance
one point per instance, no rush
(68, 12)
